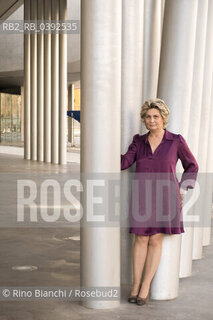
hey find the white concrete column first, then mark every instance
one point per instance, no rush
(47, 85)
(177, 61)
(40, 85)
(71, 96)
(203, 150)
(55, 86)
(33, 82)
(131, 101)
(209, 183)
(153, 14)
(100, 99)
(27, 117)
(165, 283)
(194, 128)
(162, 9)
(175, 85)
(22, 113)
(63, 86)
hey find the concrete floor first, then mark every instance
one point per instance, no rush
(17, 148)
(57, 257)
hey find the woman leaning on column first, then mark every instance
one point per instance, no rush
(156, 201)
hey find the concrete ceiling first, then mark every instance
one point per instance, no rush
(8, 7)
(12, 79)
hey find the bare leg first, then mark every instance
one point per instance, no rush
(139, 257)
(152, 262)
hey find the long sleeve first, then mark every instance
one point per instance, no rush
(189, 163)
(130, 156)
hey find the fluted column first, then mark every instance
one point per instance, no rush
(40, 85)
(63, 86)
(55, 85)
(203, 150)
(70, 107)
(47, 85)
(162, 9)
(27, 117)
(100, 99)
(33, 82)
(22, 113)
(131, 101)
(153, 15)
(209, 183)
(45, 68)
(175, 84)
(194, 128)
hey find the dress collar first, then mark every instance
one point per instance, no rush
(167, 136)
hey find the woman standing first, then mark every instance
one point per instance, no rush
(157, 209)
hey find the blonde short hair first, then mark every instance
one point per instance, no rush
(157, 104)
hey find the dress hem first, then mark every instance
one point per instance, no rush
(151, 234)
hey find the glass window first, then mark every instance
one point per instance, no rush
(10, 110)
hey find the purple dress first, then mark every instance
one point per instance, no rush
(155, 205)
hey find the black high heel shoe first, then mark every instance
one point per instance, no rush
(132, 299)
(141, 301)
